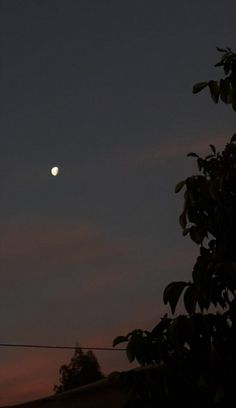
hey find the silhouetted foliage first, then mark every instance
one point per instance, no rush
(225, 89)
(195, 353)
(82, 369)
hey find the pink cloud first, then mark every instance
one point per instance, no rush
(29, 376)
(61, 243)
(167, 150)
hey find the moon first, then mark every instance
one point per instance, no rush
(55, 171)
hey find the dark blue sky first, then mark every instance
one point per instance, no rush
(102, 89)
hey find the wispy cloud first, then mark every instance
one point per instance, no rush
(58, 241)
(29, 376)
(168, 149)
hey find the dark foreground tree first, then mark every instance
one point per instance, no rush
(195, 353)
(82, 369)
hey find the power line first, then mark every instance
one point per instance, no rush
(45, 346)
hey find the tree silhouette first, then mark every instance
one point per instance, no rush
(196, 352)
(82, 369)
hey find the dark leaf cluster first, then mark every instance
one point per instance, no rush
(209, 217)
(193, 357)
(225, 89)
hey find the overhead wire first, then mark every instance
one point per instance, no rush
(47, 346)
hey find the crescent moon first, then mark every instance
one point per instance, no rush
(55, 171)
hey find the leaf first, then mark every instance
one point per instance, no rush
(214, 189)
(220, 49)
(219, 64)
(195, 235)
(233, 138)
(183, 220)
(214, 90)
(225, 90)
(203, 301)
(213, 148)
(212, 244)
(130, 352)
(198, 272)
(200, 163)
(118, 340)
(190, 299)
(161, 326)
(185, 232)
(199, 86)
(227, 67)
(136, 348)
(192, 154)
(179, 186)
(172, 293)
(177, 332)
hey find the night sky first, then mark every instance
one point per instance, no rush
(103, 89)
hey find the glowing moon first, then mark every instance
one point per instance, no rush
(55, 171)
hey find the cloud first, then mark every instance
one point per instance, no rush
(62, 243)
(26, 377)
(167, 150)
